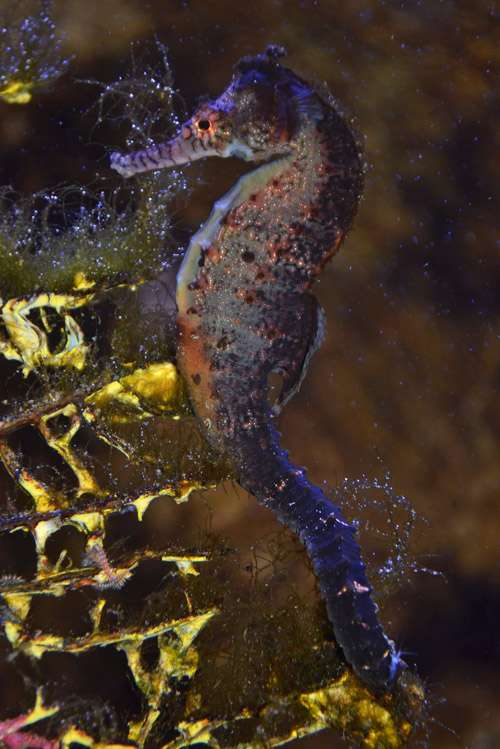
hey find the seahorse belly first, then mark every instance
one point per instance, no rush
(194, 363)
(206, 236)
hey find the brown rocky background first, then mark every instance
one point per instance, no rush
(406, 383)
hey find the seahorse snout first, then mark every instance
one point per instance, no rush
(175, 152)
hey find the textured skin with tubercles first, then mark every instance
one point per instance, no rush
(245, 310)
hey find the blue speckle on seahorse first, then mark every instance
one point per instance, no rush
(245, 310)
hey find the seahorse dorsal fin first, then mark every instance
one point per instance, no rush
(313, 324)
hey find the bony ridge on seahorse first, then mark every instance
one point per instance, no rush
(245, 310)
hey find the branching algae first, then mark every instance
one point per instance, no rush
(30, 52)
(112, 638)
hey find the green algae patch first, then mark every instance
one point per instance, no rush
(72, 238)
(100, 246)
(30, 50)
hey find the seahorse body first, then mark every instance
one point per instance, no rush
(245, 310)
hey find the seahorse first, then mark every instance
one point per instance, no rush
(245, 310)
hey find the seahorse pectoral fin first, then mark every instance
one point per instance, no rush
(312, 326)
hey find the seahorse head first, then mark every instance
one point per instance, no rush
(256, 118)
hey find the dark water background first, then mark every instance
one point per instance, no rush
(406, 383)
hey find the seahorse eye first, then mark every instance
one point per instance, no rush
(204, 124)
